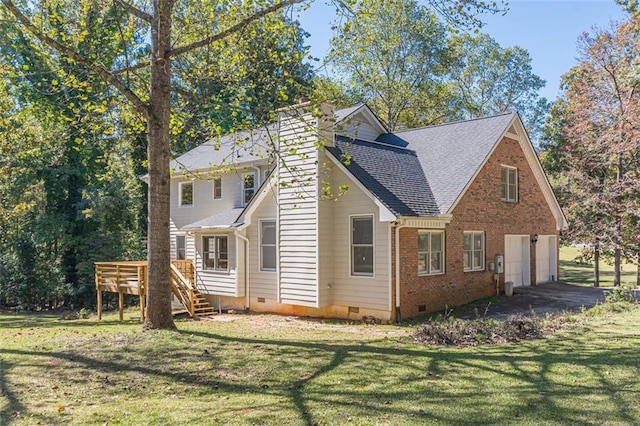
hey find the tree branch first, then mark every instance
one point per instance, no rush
(235, 28)
(134, 10)
(104, 73)
(134, 67)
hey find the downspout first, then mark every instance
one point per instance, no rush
(246, 266)
(398, 226)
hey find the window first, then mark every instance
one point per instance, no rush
(509, 184)
(268, 245)
(362, 245)
(474, 251)
(266, 175)
(185, 190)
(217, 188)
(215, 253)
(430, 252)
(181, 247)
(248, 187)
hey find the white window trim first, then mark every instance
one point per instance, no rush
(373, 223)
(428, 231)
(244, 188)
(213, 187)
(216, 269)
(484, 251)
(193, 193)
(184, 237)
(508, 200)
(262, 269)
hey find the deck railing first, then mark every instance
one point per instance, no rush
(122, 278)
(131, 278)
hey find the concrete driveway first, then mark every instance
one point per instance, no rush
(542, 298)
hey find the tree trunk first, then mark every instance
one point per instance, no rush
(638, 271)
(596, 263)
(618, 230)
(159, 289)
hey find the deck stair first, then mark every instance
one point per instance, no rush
(130, 277)
(183, 288)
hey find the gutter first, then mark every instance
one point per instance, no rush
(399, 224)
(246, 266)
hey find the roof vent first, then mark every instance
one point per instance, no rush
(512, 130)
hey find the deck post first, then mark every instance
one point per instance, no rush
(99, 303)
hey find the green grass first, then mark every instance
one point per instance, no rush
(582, 274)
(261, 369)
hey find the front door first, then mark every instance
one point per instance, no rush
(516, 259)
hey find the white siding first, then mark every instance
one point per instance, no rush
(297, 211)
(203, 203)
(218, 282)
(358, 127)
(262, 283)
(357, 291)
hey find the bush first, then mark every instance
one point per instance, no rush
(444, 330)
(621, 294)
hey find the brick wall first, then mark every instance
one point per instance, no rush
(481, 209)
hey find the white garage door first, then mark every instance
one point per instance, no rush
(546, 259)
(516, 259)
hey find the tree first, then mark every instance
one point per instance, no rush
(599, 146)
(75, 163)
(486, 79)
(390, 53)
(200, 26)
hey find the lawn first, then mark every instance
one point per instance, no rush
(271, 370)
(573, 272)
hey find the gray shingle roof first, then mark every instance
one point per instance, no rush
(450, 154)
(225, 219)
(241, 147)
(392, 174)
(237, 148)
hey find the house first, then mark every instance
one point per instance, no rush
(332, 215)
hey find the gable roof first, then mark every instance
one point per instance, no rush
(467, 143)
(392, 174)
(229, 150)
(256, 145)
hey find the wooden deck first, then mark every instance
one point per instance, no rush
(130, 277)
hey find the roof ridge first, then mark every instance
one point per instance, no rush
(453, 122)
(388, 145)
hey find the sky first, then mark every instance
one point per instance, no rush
(547, 29)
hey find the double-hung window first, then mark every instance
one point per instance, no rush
(362, 245)
(430, 252)
(217, 188)
(215, 251)
(509, 181)
(268, 245)
(474, 251)
(248, 187)
(181, 247)
(185, 194)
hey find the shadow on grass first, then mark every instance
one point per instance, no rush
(428, 369)
(13, 406)
(50, 320)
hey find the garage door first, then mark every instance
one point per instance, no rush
(546, 259)
(516, 259)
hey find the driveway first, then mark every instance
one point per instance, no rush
(541, 298)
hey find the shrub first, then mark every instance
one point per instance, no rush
(444, 330)
(621, 294)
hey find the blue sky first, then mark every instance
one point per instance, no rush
(547, 29)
